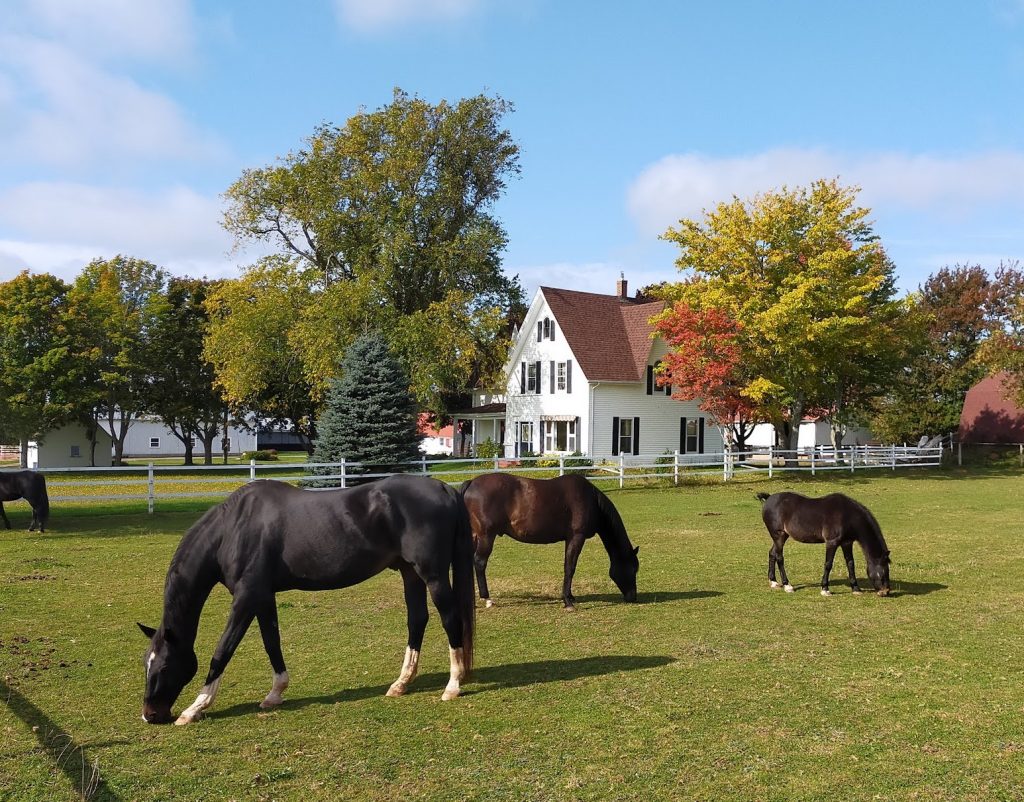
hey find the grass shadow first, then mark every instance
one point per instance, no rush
(512, 675)
(899, 588)
(67, 755)
(650, 597)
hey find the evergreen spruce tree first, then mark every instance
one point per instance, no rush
(370, 415)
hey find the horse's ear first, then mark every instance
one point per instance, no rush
(149, 632)
(636, 550)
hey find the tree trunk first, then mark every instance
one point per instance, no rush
(24, 452)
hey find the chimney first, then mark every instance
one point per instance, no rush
(620, 287)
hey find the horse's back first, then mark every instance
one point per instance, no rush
(809, 520)
(531, 510)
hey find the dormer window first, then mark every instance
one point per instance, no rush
(545, 329)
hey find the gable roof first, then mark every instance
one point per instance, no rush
(990, 415)
(609, 335)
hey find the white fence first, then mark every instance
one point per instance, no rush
(159, 482)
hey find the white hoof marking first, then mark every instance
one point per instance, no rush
(826, 593)
(458, 671)
(788, 588)
(275, 698)
(773, 585)
(488, 603)
(194, 712)
(410, 665)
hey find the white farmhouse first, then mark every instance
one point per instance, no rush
(581, 377)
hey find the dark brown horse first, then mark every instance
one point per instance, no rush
(30, 486)
(835, 520)
(269, 537)
(568, 508)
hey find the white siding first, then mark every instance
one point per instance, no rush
(56, 448)
(812, 433)
(140, 433)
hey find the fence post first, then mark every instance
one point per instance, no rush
(725, 463)
(853, 457)
(423, 463)
(344, 477)
(152, 493)
(252, 470)
(894, 456)
(495, 462)
(675, 467)
(561, 464)
(771, 459)
(812, 460)
(959, 453)
(622, 471)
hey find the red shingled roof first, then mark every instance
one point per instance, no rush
(609, 335)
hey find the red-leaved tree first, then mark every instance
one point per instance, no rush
(705, 363)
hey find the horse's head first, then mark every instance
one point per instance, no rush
(623, 572)
(878, 571)
(170, 666)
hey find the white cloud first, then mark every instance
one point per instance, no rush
(59, 227)
(948, 187)
(151, 30)
(368, 16)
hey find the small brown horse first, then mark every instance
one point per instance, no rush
(30, 486)
(568, 508)
(835, 520)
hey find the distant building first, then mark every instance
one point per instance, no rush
(435, 441)
(69, 447)
(990, 415)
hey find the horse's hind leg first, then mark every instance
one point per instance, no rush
(416, 616)
(481, 554)
(848, 554)
(271, 633)
(830, 553)
(444, 600)
(573, 547)
(3, 514)
(776, 558)
(243, 610)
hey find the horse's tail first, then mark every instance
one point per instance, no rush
(763, 496)
(463, 583)
(43, 510)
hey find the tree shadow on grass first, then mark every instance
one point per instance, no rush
(67, 755)
(511, 675)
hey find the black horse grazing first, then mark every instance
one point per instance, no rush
(568, 508)
(30, 486)
(835, 520)
(269, 536)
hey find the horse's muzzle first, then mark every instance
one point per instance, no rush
(157, 715)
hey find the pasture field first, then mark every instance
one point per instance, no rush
(713, 687)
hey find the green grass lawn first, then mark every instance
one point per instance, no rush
(713, 687)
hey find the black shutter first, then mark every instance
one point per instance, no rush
(568, 376)
(700, 435)
(522, 377)
(552, 332)
(538, 330)
(552, 377)
(615, 437)
(682, 435)
(636, 435)
(650, 379)
(538, 377)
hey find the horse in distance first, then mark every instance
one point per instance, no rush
(835, 520)
(568, 508)
(269, 537)
(30, 486)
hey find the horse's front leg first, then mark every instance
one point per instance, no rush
(243, 610)
(416, 618)
(776, 558)
(3, 514)
(573, 547)
(271, 633)
(830, 553)
(481, 554)
(848, 555)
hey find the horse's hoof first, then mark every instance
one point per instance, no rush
(182, 720)
(270, 704)
(396, 689)
(826, 592)
(857, 592)
(488, 603)
(448, 695)
(788, 588)
(570, 608)
(773, 585)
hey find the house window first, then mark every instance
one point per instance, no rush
(533, 377)
(626, 436)
(76, 452)
(154, 442)
(547, 329)
(691, 435)
(652, 380)
(560, 382)
(524, 438)
(560, 435)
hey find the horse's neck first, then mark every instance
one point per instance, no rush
(615, 543)
(873, 545)
(190, 579)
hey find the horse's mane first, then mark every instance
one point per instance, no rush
(876, 530)
(616, 529)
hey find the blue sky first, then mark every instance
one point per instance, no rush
(122, 121)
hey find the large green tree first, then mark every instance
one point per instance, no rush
(114, 308)
(36, 391)
(389, 223)
(803, 275)
(370, 416)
